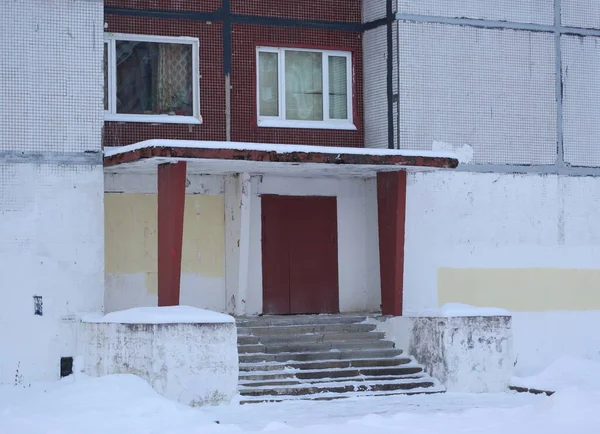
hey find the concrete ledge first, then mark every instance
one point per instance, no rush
(466, 353)
(192, 363)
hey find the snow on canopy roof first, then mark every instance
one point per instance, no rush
(278, 148)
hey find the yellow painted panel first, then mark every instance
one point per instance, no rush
(131, 235)
(521, 289)
(130, 222)
(204, 235)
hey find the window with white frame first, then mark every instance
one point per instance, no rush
(304, 88)
(151, 79)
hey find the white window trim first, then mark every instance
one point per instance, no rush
(112, 115)
(326, 123)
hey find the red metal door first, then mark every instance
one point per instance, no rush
(300, 259)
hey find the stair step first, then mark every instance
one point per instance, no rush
(282, 320)
(325, 355)
(251, 348)
(247, 340)
(322, 337)
(305, 329)
(336, 387)
(328, 364)
(316, 381)
(306, 347)
(314, 374)
(332, 396)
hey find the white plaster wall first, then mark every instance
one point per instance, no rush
(492, 220)
(491, 90)
(51, 215)
(358, 255)
(146, 183)
(194, 364)
(51, 245)
(125, 291)
(525, 11)
(581, 91)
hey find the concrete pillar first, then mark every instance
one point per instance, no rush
(391, 208)
(171, 204)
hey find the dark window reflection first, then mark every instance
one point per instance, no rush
(154, 78)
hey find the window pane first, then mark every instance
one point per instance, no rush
(303, 85)
(268, 85)
(105, 76)
(338, 88)
(154, 78)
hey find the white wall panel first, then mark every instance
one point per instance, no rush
(490, 90)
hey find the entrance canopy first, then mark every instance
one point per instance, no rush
(172, 160)
(204, 157)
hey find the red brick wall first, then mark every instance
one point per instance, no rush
(243, 80)
(166, 5)
(245, 38)
(321, 10)
(212, 82)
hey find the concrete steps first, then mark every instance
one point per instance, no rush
(322, 357)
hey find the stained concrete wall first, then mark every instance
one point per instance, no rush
(194, 364)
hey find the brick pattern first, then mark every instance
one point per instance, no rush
(166, 5)
(322, 10)
(245, 38)
(244, 114)
(212, 82)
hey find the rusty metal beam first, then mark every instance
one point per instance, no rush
(275, 157)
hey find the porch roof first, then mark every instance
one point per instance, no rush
(206, 157)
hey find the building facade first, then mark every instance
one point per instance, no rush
(511, 88)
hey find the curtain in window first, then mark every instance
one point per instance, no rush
(134, 65)
(338, 88)
(174, 82)
(303, 85)
(268, 84)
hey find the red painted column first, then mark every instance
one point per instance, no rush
(171, 203)
(391, 208)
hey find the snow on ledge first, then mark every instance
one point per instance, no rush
(459, 309)
(279, 148)
(162, 315)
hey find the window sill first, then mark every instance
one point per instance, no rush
(275, 123)
(153, 119)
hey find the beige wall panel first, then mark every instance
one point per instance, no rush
(521, 289)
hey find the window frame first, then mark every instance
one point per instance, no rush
(326, 123)
(112, 115)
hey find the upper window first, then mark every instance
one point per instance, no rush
(151, 79)
(303, 88)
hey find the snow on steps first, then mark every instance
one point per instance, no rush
(322, 357)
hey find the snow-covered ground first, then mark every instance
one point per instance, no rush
(563, 374)
(126, 404)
